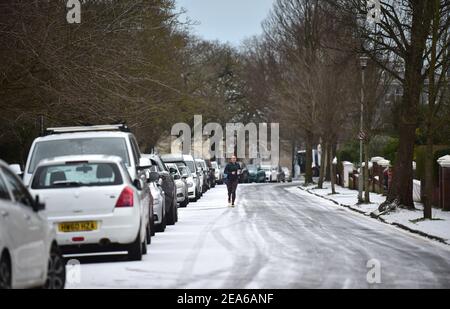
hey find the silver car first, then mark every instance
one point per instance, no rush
(180, 183)
(159, 204)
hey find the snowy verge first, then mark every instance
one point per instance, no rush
(437, 229)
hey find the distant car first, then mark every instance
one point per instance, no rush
(188, 161)
(287, 174)
(93, 204)
(222, 176)
(271, 175)
(168, 186)
(181, 184)
(217, 173)
(256, 174)
(243, 173)
(211, 174)
(201, 166)
(29, 253)
(159, 203)
(187, 175)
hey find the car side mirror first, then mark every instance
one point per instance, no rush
(144, 164)
(153, 177)
(16, 169)
(138, 184)
(37, 205)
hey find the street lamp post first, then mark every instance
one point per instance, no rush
(363, 63)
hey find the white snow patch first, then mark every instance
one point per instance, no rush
(438, 227)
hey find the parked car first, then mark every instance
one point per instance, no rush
(256, 174)
(244, 176)
(159, 203)
(29, 252)
(188, 161)
(110, 140)
(270, 174)
(287, 174)
(187, 175)
(203, 168)
(169, 188)
(281, 176)
(181, 184)
(211, 174)
(217, 173)
(222, 176)
(94, 205)
(273, 173)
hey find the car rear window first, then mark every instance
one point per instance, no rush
(76, 174)
(85, 146)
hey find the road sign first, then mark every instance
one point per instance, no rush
(362, 136)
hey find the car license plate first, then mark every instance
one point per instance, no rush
(78, 227)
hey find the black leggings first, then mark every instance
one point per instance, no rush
(232, 187)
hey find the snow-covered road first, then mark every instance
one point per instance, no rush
(277, 237)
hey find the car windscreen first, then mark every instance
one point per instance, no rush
(191, 166)
(184, 170)
(85, 146)
(76, 174)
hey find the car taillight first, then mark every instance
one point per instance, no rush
(126, 198)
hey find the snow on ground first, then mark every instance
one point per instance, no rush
(173, 256)
(439, 227)
(278, 237)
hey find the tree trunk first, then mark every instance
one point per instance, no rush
(323, 165)
(332, 170)
(430, 123)
(309, 158)
(328, 167)
(402, 187)
(366, 173)
(402, 180)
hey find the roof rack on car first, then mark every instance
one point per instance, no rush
(61, 130)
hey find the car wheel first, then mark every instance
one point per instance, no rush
(135, 249)
(56, 274)
(148, 235)
(197, 195)
(171, 219)
(175, 207)
(160, 228)
(152, 227)
(5, 273)
(185, 203)
(144, 246)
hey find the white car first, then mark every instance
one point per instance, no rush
(287, 174)
(271, 173)
(29, 253)
(159, 203)
(217, 173)
(180, 183)
(188, 160)
(93, 204)
(190, 181)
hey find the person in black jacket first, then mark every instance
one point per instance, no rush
(232, 172)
